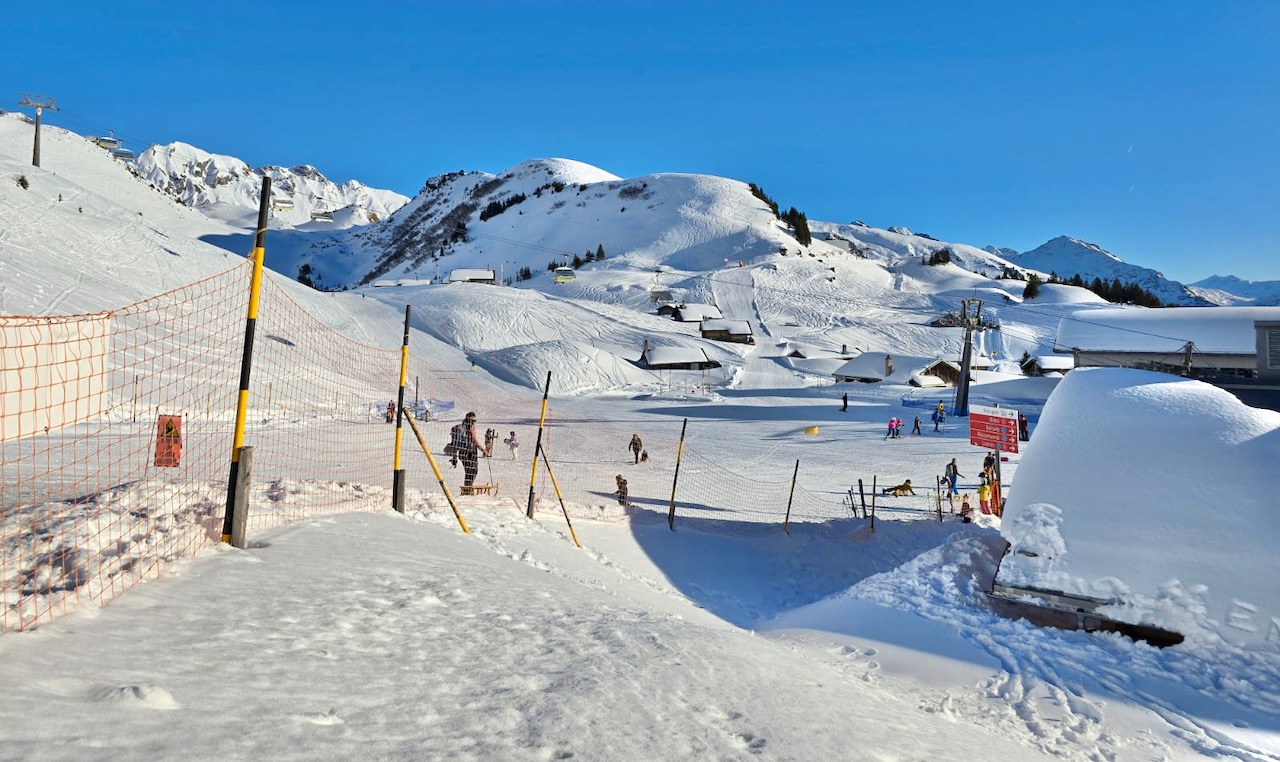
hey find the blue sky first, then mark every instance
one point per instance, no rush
(1148, 128)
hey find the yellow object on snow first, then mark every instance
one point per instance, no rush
(811, 429)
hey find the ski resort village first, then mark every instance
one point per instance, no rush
(545, 462)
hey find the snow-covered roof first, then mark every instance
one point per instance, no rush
(1054, 362)
(865, 365)
(1184, 532)
(463, 274)
(676, 355)
(1219, 330)
(736, 327)
(922, 379)
(691, 313)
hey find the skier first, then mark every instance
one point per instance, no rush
(889, 432)
(514, 444)
(1023, 433)
(490, 436)
(915, 426)
(635, 447)
(844, 402)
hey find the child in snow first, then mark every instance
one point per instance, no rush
(621, 492)
(514, 444)
(900, 490)
(984, 495)
(966, 510)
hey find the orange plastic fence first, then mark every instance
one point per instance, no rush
(116, 432)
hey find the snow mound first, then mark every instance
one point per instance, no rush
(1211, 572)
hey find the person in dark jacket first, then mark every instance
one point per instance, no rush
(466, 446)
(621, 492)
(635, 446)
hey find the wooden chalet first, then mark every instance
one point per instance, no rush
(737, 331)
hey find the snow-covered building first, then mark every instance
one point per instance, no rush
(1158, 551)
(1040, 365)
(738, 331)
(1194, 341)
(696, 313)
(676, 358)
(867, 367)
(463, 275)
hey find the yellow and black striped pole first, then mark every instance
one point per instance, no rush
(397, 474)
(246, 360)
(537, 447)
(671, 513)
(435, 468)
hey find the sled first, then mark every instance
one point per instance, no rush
(480, 489)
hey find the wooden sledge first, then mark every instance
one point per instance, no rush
(480, 489)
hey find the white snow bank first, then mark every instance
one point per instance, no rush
(1181, 535)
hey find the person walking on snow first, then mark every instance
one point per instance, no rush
(844, 402)
(635, 447)
(514, 444)
(1023, 434)
(915, 426)
(953, 474)
(490, 436)
(466, 446)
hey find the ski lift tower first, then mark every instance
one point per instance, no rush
(969, 322)
(40, 103)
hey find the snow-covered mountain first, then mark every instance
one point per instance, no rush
(1068, 256)
(1230, 290)
(549, 210)
(227, 188)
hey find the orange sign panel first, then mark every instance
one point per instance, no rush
(168, 441)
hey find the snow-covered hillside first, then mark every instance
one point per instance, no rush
(227, 188)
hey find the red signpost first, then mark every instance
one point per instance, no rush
(994, 428)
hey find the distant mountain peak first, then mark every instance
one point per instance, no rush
(210, 181)
(1067, 256)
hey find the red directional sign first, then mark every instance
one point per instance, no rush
(993, 428)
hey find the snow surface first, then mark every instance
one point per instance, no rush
(376, 635)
